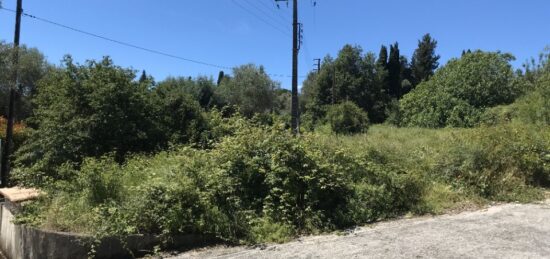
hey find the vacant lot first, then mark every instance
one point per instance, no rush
(502, 231)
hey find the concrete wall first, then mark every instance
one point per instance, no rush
(22, 242)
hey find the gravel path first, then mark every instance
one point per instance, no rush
(502, 231)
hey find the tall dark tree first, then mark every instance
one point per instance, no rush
(394, 72)
(143, 76)
(424, 61)
(352, 76)
(383, 57)
(406, 76)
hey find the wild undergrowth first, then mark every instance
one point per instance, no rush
(260, 184)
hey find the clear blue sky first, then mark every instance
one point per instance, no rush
(221, 32)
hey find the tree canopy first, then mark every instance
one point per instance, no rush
(459, 92)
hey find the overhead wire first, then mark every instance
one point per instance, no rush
(261, 19)
(268, 15)
(126, 44)
(286, 20)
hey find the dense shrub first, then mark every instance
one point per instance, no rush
(260, 184)
(459, 93)
(347, 118)
(98, 108)
(251, 89)
(180, 118)
(532, 108)
(498, 162)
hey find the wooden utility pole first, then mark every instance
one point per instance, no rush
(295, 37)
(8, 144)
(296, 30)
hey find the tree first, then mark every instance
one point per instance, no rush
(424, 61)
(405, 76)
(32, 67)
(394, 72)
(459, 92)
(353, 77)
(179, 115)
(201, 89)
(250, 89)
(383, 57)
(87, 111)
(143, 77)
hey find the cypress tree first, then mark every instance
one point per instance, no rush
(394, 72)
(143, 77)
(424, 61)
(383, 57)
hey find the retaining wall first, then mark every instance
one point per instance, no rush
(23, 242)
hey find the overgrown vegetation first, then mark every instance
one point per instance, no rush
(116, 155)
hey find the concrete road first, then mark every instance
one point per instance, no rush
(502, 231)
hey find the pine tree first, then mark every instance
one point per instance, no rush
(394, 72)
(424, 61)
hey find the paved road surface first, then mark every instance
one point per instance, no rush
(502, 231)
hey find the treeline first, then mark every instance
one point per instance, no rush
(87, 110)
(118, 154)
(372, 83)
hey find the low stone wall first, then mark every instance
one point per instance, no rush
(23, 242)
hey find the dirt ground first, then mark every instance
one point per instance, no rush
(501, 231)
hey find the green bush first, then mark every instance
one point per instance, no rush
(347, 118)
(259, 184)
(498, 162)
(458, 93)
(98, 108)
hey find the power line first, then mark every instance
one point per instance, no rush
(126, 44)
(285, 20)
(283, 23)
(261, 19)
(119, 42)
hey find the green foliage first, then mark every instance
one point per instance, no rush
(201, 89)
(495, 160)
(250, 89)
(353, 77)
(179, 116)
(32, 67)
(424, 61)
(347, 118)
(458, 93)
(394, 72)
(97, 108)
(257, 185)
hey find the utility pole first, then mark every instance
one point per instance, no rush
(296, 29)
(5, 167)
(318, 65)
(294, 105)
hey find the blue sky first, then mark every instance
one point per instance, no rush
(222, 32)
